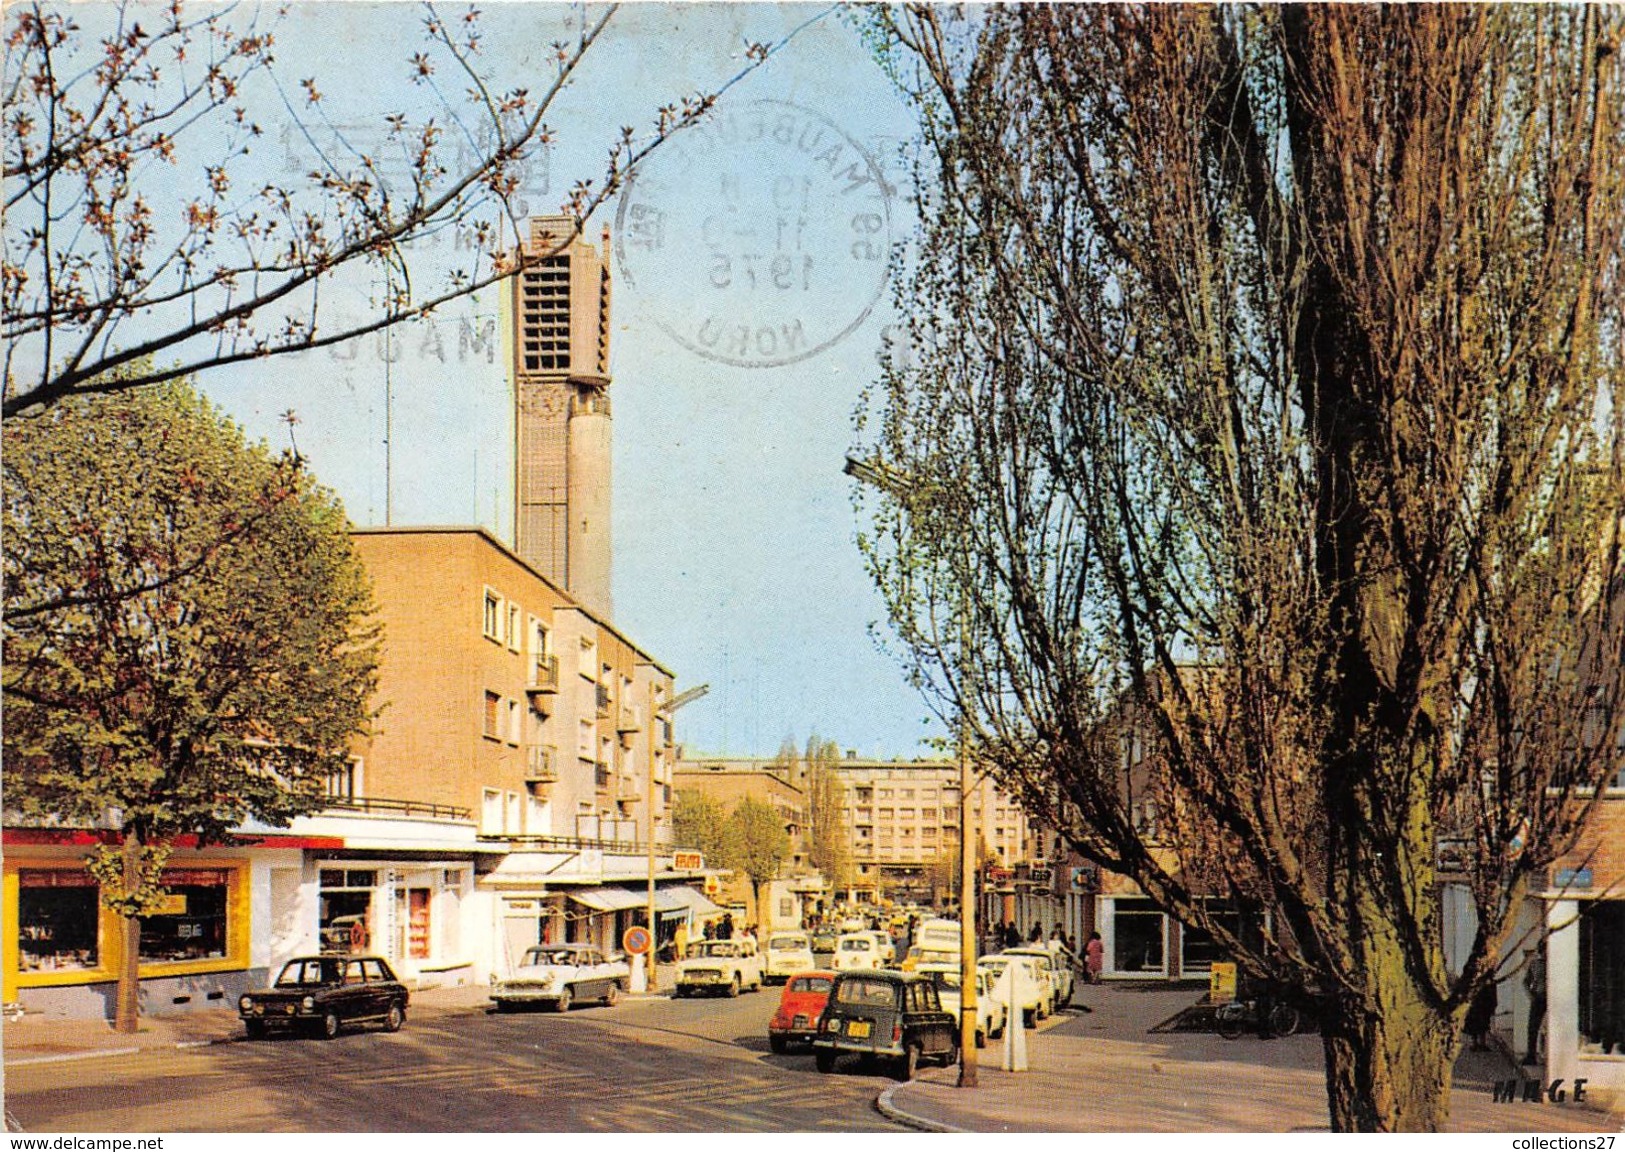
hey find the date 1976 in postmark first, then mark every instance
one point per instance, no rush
(760, 237)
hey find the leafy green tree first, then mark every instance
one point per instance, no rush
(757, 844)
(187, 640)
(1260, 410)
(700, 822)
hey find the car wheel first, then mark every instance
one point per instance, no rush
(394, 1018)
(733, 989)
(612, 994)
(255, 1029)
(779, 1044)
(981, 1038)
(330, 1025)
(909, 1066)
(562, 1004)
(824, 1061)
(1029, 1017)
(1229, 1022)
(952, 1056)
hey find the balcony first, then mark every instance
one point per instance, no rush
(629, 721)
(378, 806)
(601, 774)
(544, 677)
(604, 700)
(541, 764)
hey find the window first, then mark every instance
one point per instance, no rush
(905, 813)
(510, 814)
(492, 717)
(886, 813)
(1137, 936)
(57, 920)
(490, 812)
(344, 783)
(905, 794)
(191, 922)
(515, 718)
(885, 794)
(587, 659)
(513, 628)
(1602, 977)
(492, 621)
(1197, 950)
(928, 813)
(585, 737)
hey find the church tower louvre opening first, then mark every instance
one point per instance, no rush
(562, 450)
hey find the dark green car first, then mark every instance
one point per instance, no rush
(884, 1015)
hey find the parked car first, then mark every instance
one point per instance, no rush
(893, 1016)
(1049, 965)
(323, 994)
(787, 953)
(559, 975)
(725, 966)
(823, 946)
(855, 950)
(1032, 990)
(795, 1021)
(991, 1013)
(885, 949)
(919, 955)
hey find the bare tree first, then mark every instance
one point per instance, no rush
(1262, 396)
(141, 225)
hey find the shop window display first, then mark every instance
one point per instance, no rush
(191, 923)
(1137, 928)
(58, 920)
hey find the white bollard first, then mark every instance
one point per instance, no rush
(640, 978)
(1014, 1056)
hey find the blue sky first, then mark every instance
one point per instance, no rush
(735, 561)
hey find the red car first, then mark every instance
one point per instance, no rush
(796, 1018)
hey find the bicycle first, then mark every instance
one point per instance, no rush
(1236, 1017)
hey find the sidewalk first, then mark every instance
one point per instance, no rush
(1105, 1072)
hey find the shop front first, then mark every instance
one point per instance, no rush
(64, 947)
(409, 911)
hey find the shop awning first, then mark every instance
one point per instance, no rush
(692, 900)
(609, 899)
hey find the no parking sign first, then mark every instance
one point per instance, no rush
(636, 940)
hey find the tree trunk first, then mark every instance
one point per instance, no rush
(127, 1007)
(1389, 1071)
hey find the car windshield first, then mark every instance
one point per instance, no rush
(788, 943)
(867, 993)
(561, 956)
(811, 984)
(714, 948)
(302, 973)
(857, 945)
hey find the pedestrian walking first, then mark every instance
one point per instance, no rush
(1480, 1013)
(1534, 982)
(1094, 957)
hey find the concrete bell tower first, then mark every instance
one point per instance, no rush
(561, 318)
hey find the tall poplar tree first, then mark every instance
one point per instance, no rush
(1260, 406)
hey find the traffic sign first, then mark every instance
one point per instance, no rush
(636, 940)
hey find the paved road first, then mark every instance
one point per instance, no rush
(643, 1066)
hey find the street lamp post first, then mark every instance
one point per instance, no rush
(905, 488)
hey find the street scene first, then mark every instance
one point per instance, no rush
(777, 568)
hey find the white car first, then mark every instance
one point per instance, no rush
(787, 954)
(726, 966)
(1053, 969)
(561, 974)
(855, 950)
(884, 948)
(991, 1014)
(1032, 989)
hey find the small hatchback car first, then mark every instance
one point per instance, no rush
(895, 1016)
(322, 994)
(795, 1021)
